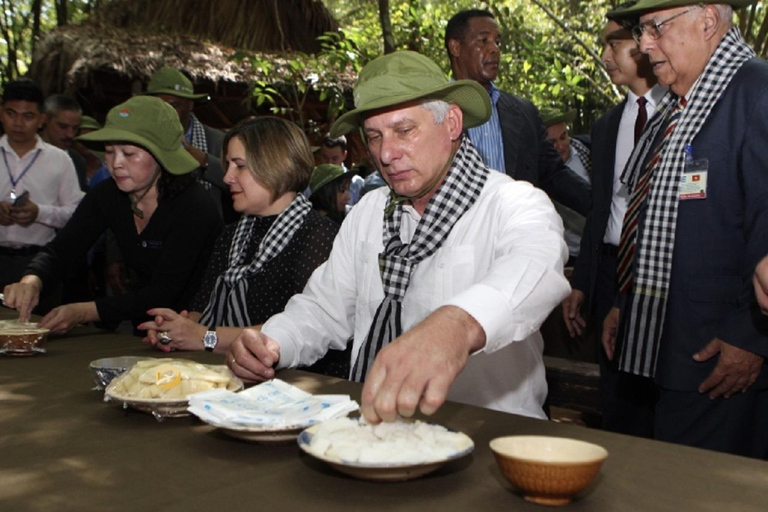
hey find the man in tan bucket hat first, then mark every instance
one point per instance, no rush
(442, 279)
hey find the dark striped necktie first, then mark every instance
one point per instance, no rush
(628, 241)
(642, 117)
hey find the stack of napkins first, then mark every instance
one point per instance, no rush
(273, 404)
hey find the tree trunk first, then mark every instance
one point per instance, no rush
(414, 40)
(11, 70)
(61, 13)
(386, 26)
(36, 7)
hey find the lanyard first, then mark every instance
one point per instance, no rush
(10, 174)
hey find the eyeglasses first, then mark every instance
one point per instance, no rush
(652, 28)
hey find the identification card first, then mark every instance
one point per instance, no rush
(694, 182)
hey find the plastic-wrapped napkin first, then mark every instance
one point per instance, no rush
(272, 404)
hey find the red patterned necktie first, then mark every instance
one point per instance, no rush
(642, 117)
(628, 241)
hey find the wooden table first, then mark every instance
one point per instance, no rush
(63, 448)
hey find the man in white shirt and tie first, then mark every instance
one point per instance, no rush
(626, 402)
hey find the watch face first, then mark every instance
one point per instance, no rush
(210, 340)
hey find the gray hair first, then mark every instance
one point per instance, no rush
(438, 108)
(55, 103)
(726, 13)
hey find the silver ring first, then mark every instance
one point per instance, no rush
(164, 338)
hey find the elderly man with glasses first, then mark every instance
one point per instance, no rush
(695, 228)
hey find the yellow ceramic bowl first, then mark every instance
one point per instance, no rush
(548, 470)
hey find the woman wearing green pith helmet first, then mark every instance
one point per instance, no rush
(329, 188)
(163, 220)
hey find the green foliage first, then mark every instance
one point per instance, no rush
(287, 85)
(550, 52)
(550, 48)
(541, 61)
(17, 31)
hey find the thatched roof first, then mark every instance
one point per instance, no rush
(102, 65)
(64, 58)
(259, 25)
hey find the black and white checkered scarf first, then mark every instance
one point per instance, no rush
(642, 318)
(198, 134)
(227, 305)
(200, 142)
(583, 154)
(462, 186)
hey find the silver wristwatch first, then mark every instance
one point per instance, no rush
(210, 340)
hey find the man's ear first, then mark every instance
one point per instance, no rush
(454, 48)
(455, 120)
(712, 21)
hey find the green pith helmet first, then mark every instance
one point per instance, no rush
(405, 76)
(552, 116)
(89, 123)
(323, 175)
(148, 122)
(171, 81)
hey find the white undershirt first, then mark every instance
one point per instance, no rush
(625, 143)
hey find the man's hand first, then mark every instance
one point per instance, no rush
(760, 281)
(736, 370)
(5, 214)
(198, 155)
(185, 334)
(63, 318)
(418, 368)
(610, 331)
(23, 295)
(26, 213)
(572, 313)
(252, 355)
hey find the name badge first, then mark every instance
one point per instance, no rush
(152, 244)
(694, 182)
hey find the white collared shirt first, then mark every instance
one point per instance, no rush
(52, 184)
(625, 143)
(502, 263)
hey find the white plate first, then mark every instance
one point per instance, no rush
(261, 434)
(388, 472)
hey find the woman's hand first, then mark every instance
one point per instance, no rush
(184, 332)
(63, 318)
(24, 295)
